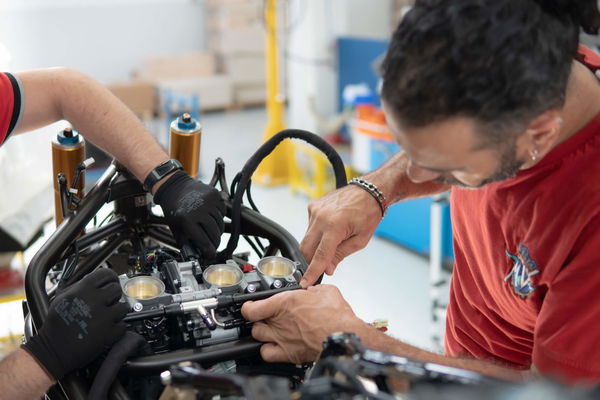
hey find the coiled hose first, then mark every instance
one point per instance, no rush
(246, 174)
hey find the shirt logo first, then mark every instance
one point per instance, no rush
(524, 267)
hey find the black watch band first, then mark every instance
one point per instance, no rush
(163, 169)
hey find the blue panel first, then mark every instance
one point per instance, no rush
(355, 62)
(381, 151)
(407, 223)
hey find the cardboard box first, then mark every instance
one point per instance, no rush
(139, 96)
(249, 40)
(214, 92)
(245, 69)
(190, 65)
(215, 4)
(243, 16)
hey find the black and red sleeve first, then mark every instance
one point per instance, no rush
(10, 105)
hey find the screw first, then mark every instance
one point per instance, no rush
(137, 307)
(251, 288)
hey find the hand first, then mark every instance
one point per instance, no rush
(295, 323)
(340, 223)
(83, 321)
(194, 212)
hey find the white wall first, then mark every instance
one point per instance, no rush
(106, 39)
(311, 64)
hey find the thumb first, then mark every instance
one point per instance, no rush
(259, 310)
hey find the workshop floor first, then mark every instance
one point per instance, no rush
(383, 281)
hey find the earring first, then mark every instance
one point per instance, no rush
(534, 154)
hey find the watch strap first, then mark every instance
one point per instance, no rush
(163, 169)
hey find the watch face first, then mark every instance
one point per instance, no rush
(160, 171)
(165, 167)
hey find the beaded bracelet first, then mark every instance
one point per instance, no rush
(373, 191)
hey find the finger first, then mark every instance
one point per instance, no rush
(345, 248)
(311, 275)
(272, 352)
(211, 227)
(219, 221)
(111, 293)
(322, 259)
(101, 277)
(120, 310)
(199, 239)
(262, 332)
(220, 204)
(259, 310)
(310, 242)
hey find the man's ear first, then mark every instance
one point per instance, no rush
(543, 132)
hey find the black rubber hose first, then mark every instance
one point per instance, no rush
(127, 346)
(251, 165)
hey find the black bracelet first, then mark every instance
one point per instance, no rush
(373, 191)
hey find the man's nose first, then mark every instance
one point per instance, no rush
(418, 174)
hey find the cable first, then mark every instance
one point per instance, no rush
(251, 165)
(110, 214)
(130, 344)
(214, 317)
(253, 245)
(235, 182)
(249, 196)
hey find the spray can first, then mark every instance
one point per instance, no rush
(68, 151)
(186, 133)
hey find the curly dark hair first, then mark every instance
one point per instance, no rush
(501, 62)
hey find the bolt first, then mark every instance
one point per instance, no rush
(277, 284)
(166, 377)
(137, 307)
(251, 288)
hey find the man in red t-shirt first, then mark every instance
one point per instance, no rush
(496, 96)
(31, 99)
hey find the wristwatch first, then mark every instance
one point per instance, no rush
(163, 169)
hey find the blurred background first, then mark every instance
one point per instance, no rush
(209, 58)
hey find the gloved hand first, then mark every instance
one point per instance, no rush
(194, 212)
(83, 321)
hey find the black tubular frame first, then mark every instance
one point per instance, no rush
(116, 184)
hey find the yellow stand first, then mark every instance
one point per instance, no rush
(275, 169)
(313, 175)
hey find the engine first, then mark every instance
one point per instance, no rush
(177, 304)
(187, 308)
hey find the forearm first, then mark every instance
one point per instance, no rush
(60, 93)
(392, 180)
(21, 377)
(379, 341)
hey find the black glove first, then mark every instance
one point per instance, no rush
(83, 321)
(194, 212)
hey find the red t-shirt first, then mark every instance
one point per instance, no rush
(526, 284)
(10, 105)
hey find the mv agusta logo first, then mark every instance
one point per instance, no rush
(524, 267)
